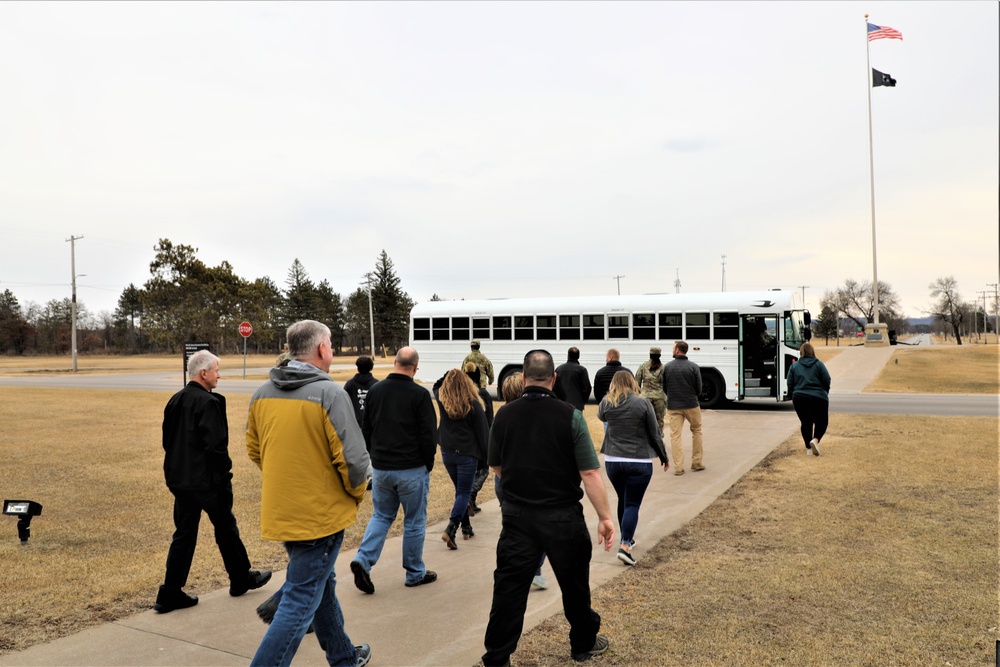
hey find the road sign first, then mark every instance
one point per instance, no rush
(245, 329)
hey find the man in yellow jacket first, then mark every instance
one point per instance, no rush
(302, 433)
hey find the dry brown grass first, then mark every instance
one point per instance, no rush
(946, 369)
(232, 364)
(94, 460)
(883, 551)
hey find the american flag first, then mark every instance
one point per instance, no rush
(882, 32)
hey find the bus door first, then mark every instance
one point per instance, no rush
(758, 356)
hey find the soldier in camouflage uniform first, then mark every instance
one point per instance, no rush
(650, 380)
(485, 365)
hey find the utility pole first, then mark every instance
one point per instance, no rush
(677, 283)
(803, 288)
(371, 312)
(72, 254)
(618, 279)
(723, 273)
(996, 306)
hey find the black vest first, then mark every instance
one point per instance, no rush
(534, 435)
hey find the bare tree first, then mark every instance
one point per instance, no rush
(857, 301)
(949, 307)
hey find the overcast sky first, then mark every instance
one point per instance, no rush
(500, 149)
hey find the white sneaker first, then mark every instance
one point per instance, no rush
(539, 583)
(815, 446)
(809, 452)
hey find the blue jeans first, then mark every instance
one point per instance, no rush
(630, 481)
(462, 470)
(308, 596)
(390, 489)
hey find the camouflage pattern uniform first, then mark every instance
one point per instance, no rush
(651, 384)
(484, 365)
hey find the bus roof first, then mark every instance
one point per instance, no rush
(769, 301)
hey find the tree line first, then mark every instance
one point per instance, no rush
(854, 301)
(186, 300)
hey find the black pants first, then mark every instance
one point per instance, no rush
(527, 533)
(814, 416)
(218, 505)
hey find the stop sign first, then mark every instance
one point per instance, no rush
(245, 329)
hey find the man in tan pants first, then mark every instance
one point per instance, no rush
(682, 383)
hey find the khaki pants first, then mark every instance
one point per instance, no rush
(693, 417)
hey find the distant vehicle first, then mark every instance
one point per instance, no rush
(744, 342)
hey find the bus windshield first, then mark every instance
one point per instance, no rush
(795, 328)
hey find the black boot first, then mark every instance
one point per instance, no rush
(449, 535)
(477, 486)
(467, 532)
(169, 599)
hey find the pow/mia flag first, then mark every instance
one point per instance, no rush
(882, 79)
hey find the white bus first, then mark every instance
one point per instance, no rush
(744, 342)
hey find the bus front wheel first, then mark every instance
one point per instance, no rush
(712, 390)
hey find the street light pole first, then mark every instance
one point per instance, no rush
(618, 279)
(72, 254)
(371, 312)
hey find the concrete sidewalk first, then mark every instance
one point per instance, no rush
(442, 623)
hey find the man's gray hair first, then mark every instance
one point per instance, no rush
(199, 361)
(304, 336)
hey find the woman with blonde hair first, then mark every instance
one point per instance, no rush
(463, 438)
(632, 440)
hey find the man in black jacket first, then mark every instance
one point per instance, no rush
(399, 426)
(573, 381)
(602, 378)
(541, 450)
(198, 472)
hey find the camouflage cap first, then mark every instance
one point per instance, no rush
(655, 350)
(474, 344)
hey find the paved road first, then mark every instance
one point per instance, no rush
(846, 396)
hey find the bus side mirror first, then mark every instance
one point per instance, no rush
(807, 318)
(808, 333)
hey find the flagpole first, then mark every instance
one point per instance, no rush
(871, 168)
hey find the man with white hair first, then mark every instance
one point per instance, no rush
(198, 472)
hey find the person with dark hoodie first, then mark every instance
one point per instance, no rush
(809, 387)
(359, 385)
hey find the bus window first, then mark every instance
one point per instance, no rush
(524, 327)
(569, 327)
(725, 326)
(546, 327)
(460, 328)
(697, 327)
(439, 328)
(480, 328)
(421, 328)
(795, 329)
(618, 326)
(670, 326)
(643, 326)
(593, 327)
(503, 328)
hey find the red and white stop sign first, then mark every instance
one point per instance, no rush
(246, 329)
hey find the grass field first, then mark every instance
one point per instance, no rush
(883, 551)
